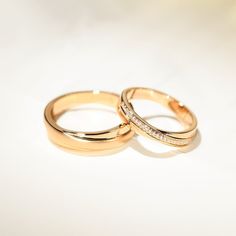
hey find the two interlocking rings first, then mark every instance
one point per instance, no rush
(115, 138)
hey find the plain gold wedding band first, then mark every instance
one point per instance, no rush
(88, 142)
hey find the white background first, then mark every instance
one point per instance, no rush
(186, 48)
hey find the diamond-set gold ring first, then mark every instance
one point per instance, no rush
(142, 127)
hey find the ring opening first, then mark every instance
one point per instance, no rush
(183, 114)
(70, 101)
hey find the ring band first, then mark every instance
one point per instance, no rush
(99, 141)
(141, 126)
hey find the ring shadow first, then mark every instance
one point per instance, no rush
(137, 146)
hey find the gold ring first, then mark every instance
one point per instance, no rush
(89, 142)
(141, 126)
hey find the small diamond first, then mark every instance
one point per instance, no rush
(153, 132)
(142, 125)
(150, 131)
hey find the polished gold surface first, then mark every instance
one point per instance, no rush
(141, 126)
(85, 142)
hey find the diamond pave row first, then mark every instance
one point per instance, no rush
(154, 133)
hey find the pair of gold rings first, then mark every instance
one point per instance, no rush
(115, 138)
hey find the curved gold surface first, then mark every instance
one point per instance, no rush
(141, 126)
(89, 142)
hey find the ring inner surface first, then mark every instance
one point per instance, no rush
(70, 101)
(85, 141)
(67, 102)
(183, 114)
